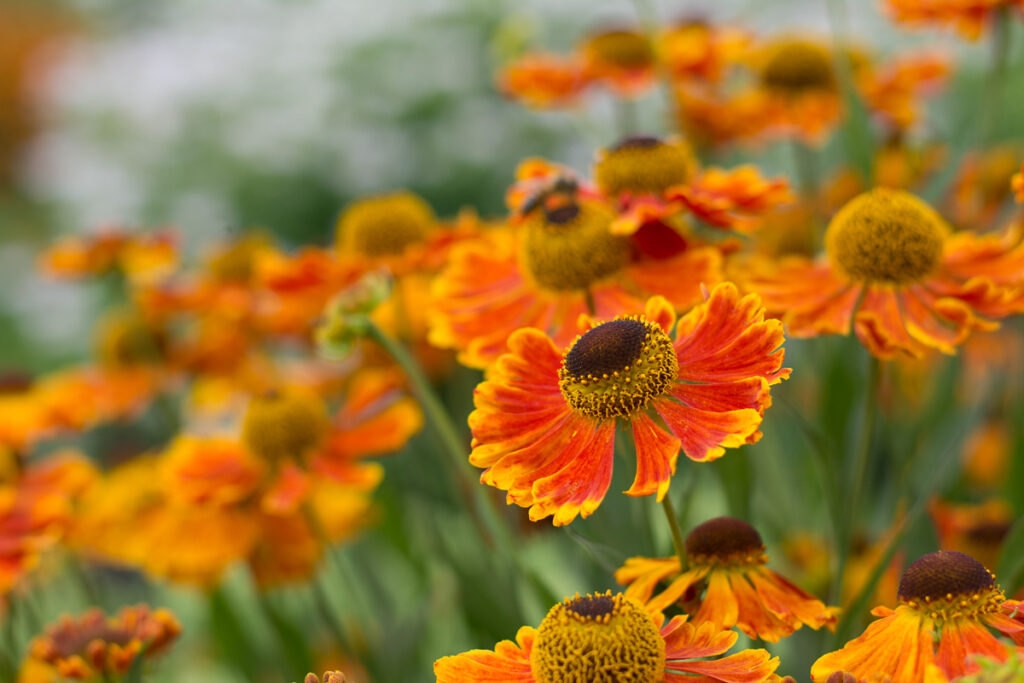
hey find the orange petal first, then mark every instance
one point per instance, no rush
(656, 453)
(705, 434)
(508, 663)
(580, 486)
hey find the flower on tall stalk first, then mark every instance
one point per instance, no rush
(725, 556)
(898, 276)
(546, 416)
(947, 599)
(94, 645)
(604, 638)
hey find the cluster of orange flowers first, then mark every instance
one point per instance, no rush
(648, 297)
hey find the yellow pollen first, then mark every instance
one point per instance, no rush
(620, 49)
(643, 165)
(725, 541)
(887, 236)
(284, 424)
(384, 225)
(617, 368)
(571, 247)
(953, 585)
(793, 66)
(601, 638)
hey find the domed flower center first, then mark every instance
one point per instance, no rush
(619, 49)
(887, 236)
(643, 165)
(571, 247)
(796, 66)
(947, 585)
(725, 540)
(284, 424)
(617, 368)
(385, 225)
(598, 639)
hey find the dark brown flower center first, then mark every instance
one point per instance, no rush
(724, 539)
(944, 573)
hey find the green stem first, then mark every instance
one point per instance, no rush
(993, 101)
(857, 134)
(677, 533)
(869, 419)
(490, 524)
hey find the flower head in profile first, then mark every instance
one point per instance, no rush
(620, 59)
(605, 638)
(94, 645)
(898, 276)
(969, 17)
(947, 601)
(543, 81)
(545, 419)
(726, 559)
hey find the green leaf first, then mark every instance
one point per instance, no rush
(1011, 561)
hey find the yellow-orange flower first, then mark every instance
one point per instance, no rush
(605, 637)
(983, 185)
(545, 418)
(140, 257)
(699, 51)
(94, 645)
(1017, 184)
(977, 530)
(892, 90)
(946, 601)
(621, 59)
(727, 555)
(897, 275)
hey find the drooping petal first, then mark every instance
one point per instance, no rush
(685, 643)
(719, 605)
(656, 453)
(580, 486)
(508, 663)
(879, 324)
(898, 645)
(705, 434)
(963, 637)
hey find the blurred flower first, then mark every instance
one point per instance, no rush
(727, 556)
(897, 274)
(700, 51)
(37, 507)
(986, 454)
(94, 645)
(946, 600)
(585, 638)
(891, 90)
(1017, 184)
(983, 185)
(143, 257)
(976, 530)
(545, 418)
(328, 677)
(621, 59)
(543, 81)
(969, 17)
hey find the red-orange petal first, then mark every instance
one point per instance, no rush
(508, 663)
(656, 453)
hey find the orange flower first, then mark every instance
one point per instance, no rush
(543, 81)
(1017, 184)
(977, 530)
(986, 452)
(732, 199)
(585, 638)
(36, 511)
(898, 276)
(543, 273)
(892, 89)
(728, 556)
(620, 59)
(143, 256)
(699, 51)
(93, 645)
(983, 185)
(969, 17)
(946, 600)
(545, 418)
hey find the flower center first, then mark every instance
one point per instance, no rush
(948, 585)
(617, 368)
(727, 541)
(571, 247)
(643, 165)
(886, 236)
(621, 49)
(385, 225)
(795, 66)
(284, 424)
(598, 639)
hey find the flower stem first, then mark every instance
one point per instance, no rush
(1002, 26)
(869, 419)
(677, 533)
(489, 522)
